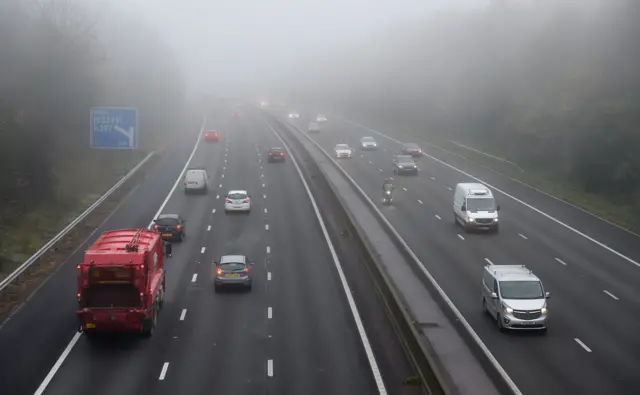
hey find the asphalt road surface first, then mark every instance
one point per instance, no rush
(592, 346)
(294, 333)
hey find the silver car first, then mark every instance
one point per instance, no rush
(196, 180)
(343, 151)
(368, 143)
(233, 271)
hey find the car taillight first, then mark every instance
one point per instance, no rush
(179, 227)
(155, 227)
(219, 271)
(245, 201)
(246, 270)
(227, 201)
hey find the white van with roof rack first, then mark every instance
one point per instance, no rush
(474, 207)
(514, 297)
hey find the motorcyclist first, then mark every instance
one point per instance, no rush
(386, 185)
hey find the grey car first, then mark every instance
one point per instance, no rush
(404, 164)
(233, 271)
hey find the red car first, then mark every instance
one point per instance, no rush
(235, 115)
(211, 135)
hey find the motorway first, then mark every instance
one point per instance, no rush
(294, 333)
(592, 346)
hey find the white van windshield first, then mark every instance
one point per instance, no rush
(481, 204)
(521, 290)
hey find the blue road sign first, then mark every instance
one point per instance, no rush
(114, 127)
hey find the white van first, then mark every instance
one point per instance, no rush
(196, 180)
(474, 207)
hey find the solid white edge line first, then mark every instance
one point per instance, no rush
(183, 314)
(576, 231)
(269, 312)
(76, 336)
(345, 285)
(270, 367)
(587, 349)
(610, 294)
(163, 372)
(194, 277)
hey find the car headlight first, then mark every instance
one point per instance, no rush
(543, 310)
(495, 220)
(415, 167)
(508, 309)
(470, 219)
(399, 167)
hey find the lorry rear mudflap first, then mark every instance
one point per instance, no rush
(111, 320)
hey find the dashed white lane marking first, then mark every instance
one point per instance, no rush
(433, 178)
(560, 260)
(270, 367)
(225, 161)
(194, 277)
(163, 372)
(404, 189)
(266, 226)
(391, 178)
(268, 250)
(261, 175)
(213, 211)
(263, 185)
(380, 169)
(224, 167)
(264, 196)
(437, 216)
(610, 294)
(449, 188)
(523, 236)
(202, 250)
(268, 276)
(209, 228)
(587, 349)
(370, 162)
(488, 261)
(260, 167)
(220, 186)
(461, 237)
(222, 175)
(269, 312)
(420, 201)
(265, 210)
(217, 196)
(183, 314)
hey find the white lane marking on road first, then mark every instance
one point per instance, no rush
(268, 276)
(264, 196)
(587, 349)
(220, 186)
(225, 161)
(270, 367)
(266, 226)
(163, 372)
(373, 364)
(222, 175)
(224, 168)
(488, 261)
(433, 178)
(261, 175)
(548, 216)
(461, 237)
(370, 162)
(391, 178)
(202, 250)
(213, 211)
(420, 201)
(269, 313)
(404, 189)
(183, 314)
(449, 188)
(523, 236)
(194, 277)
(610, 294)
(265, 210)
(260, 167)
(63, 356)
(437, 216)
(268, 250)
(380, 169)
(561, 261)
(217, 196)
(209, 228)
(263, 185)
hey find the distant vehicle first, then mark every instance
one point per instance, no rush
(237, 200)
(474, 207)
(294, 115)
(196, 180)
(211, 135)
(514, 297)
(314, 127)
(276, 154)
(404, 164)
(321, 118)
(235, 115)
(264, 104)
(411, 149)
(121, 282)
(233, 271)
(170, 226)
(368, 143)
(343, 151)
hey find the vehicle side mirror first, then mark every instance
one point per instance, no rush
(547, 295)
(494, 295)
(168, 248)
(463, 208)
(215, 263)
(498, 207)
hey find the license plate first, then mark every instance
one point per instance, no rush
(167, 235)
(237, 206)
(91, 326)
(233, 274)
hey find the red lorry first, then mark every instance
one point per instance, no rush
(121, 282)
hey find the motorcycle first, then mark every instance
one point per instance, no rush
(387, 198)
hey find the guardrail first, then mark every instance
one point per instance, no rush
(22, 268)
(501, 374)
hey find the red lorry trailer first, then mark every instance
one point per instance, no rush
(121, 282)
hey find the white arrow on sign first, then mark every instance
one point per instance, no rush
(128, 134)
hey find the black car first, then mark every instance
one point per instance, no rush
(411, 149)
(404, 164)
(170, 226)
(276, 154)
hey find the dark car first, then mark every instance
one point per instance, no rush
(170, 226)
(411, 149)
(276, 155)
(404, 164)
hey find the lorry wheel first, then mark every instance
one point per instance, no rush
(151, 323)
(161, 301)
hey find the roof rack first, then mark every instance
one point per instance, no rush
(134, 244)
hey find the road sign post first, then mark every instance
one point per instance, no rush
(114, 128)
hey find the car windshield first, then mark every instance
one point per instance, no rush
(342, 146)
(231, 266)
(521, 290)
(481, 204)
(406, 162)
(368, 139)
(411, 146)
(167, 221)
(237, 196)
(195, 174)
